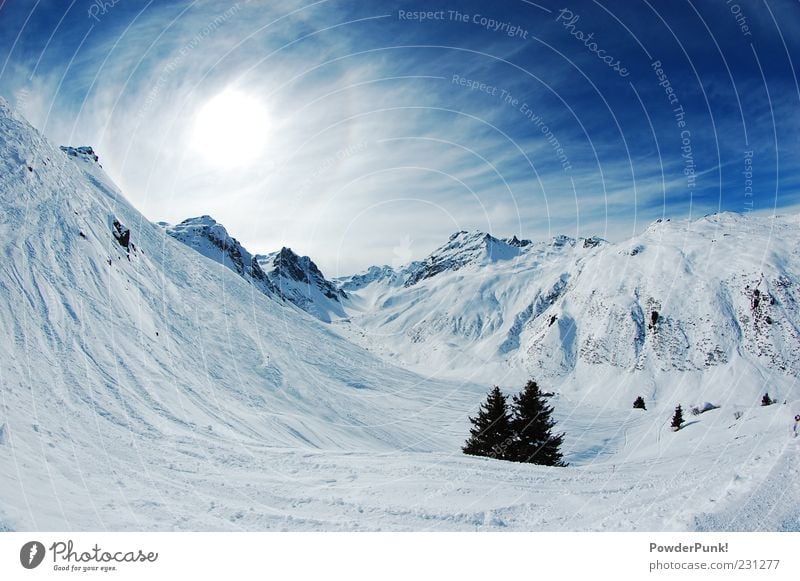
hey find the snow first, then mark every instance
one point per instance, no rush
(163, 389)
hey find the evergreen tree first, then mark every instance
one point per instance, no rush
(677, 419)
(491, 433)
(638, 403)
(534, 440)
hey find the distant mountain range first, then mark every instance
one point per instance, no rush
(687, 297)
(163, 377)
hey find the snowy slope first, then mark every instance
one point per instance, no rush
(146, 386)
(112, 348)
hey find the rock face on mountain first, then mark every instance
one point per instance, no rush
(121, 233)
(298, 280)
(289, 266)
(82, 152)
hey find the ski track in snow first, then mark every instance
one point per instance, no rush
(769, 504)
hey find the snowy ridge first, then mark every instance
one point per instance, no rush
(371, 275)
(463, 248)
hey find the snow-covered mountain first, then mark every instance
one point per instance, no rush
(152, 384)
(212, 240)
(372, 275)
(688, 309)
(282, 274)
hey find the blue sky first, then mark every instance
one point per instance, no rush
(378, 131)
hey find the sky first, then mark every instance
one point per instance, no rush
(364, 133)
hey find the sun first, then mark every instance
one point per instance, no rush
(230, 129)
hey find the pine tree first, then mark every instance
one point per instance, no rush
(677, 419)
(491, 433)
(638, 403)
(534, 440)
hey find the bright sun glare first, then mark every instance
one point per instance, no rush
(230, 129)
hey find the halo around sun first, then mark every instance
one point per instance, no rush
(230, 129)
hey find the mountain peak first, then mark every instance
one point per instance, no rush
(464, 248)
(287, 254)
(289, 264)
(516, 242)
(283, 274)
(211, 239)
(593, 242)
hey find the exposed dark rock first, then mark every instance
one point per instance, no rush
(122, 233)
